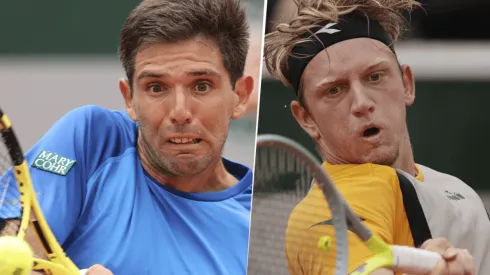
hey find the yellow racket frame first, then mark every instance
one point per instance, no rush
(58, 263)
(383, 256)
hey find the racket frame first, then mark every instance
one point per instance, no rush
(399, 258)
(335, 201)
(59, 263)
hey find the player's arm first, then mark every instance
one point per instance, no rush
(60, 172)
(77, 144)
(454, 262)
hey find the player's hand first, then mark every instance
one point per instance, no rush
(98, 270)
(456, 261)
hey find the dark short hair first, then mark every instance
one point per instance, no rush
(171, 21)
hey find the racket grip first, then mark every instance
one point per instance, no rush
(414, 260)
(83, 271)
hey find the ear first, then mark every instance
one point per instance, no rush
(125, 89)
(305, 120)
(408, 84)
(243, 88)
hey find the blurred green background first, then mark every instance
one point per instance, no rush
(58, 55)
(73, 27)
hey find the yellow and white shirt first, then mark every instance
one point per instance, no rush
(452, 210)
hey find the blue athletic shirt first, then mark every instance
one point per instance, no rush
(105, 209)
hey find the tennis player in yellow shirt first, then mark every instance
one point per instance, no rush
(352, 95)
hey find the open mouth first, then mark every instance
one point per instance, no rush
(372, 131)
(184, 140)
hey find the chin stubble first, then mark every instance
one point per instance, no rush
(153, 159)
(165, 167)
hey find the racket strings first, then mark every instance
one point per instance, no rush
(278, 170)
(9, 195)
(281, 182)
(10, 206)
(11, 209)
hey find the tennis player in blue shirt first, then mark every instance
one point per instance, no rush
(146, 190)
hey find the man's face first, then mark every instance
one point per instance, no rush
(355, 98)
(183, 100)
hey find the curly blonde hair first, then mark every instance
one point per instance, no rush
(279, 43)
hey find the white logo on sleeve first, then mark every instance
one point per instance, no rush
(53, 163)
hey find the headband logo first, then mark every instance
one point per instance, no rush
(327, 29)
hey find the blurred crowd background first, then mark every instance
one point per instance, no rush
(58, 55)
(450, 55)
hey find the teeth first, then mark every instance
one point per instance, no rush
(183, 140)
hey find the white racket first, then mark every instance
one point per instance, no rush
(283, 174)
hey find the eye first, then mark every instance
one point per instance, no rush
(155, 88)
(375, 77)
(202, 87)
(334, 90)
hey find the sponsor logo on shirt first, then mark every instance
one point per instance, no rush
(330, 222)
(454, 196)
(52, 162)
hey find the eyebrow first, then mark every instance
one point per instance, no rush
(194, 73)
(329, 80)
(378, 63)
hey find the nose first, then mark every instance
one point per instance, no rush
(180, 108)
(362, 103)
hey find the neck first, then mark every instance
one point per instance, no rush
(405, 160)
(212, 179)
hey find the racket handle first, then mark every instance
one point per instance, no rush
(414, 260)
(83, 271)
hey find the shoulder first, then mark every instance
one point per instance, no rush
(90, 135)
(358, 184)
(367, 171)
(449, 185)
(103, 125)
(98, 118)
(108, 133)
(432, 175)
(95, 119)
(439, 180)
(242, 191)
(356, 181)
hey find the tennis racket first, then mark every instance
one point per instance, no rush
(283, 176)
(19, 209)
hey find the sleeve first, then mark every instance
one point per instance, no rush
(370, 196)
(59, 171)
(63, 161)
